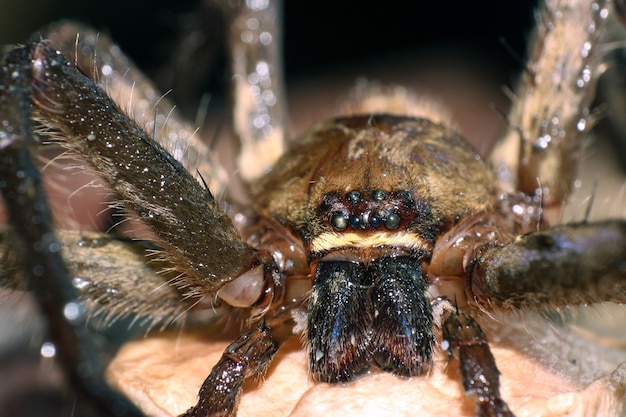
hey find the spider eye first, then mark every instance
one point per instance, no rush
(376, 220)
(353, 197)
(339, 221)
(355, 222)
(379, 195)
(408, 200)
(326, 203)
(392, 221)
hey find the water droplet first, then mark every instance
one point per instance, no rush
(262, 68)
(80, 283)
(257, 5)
(73, 311)
(604, 13)
(543, 142)
(445, 345)
(586, 48)
(107, 70)
(247, 37)
(591, 28)
(253, 78)
(48, 350)
(252, 23)
(265, 38)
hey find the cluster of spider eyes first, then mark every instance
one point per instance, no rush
(361, 210)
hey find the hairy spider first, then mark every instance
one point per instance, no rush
(379, 236)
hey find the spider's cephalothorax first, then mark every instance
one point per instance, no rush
(369, 196)
(398, 228)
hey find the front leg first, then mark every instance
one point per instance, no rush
(249, 355)
(481, 378)
(198, 238)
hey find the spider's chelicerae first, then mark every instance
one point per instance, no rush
(378, 238)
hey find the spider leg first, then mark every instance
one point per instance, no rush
(115, 277)
(551, 112)
(571, 264)
(257, 89)
(198, 237)
(481, 378)
(43, 265)
(97, 56)
(249, 355)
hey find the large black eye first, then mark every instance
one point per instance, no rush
(376, 220)
(339, 221)
(392, 221)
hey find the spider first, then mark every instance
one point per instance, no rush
(402, 232)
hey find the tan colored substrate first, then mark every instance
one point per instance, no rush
(162, 375)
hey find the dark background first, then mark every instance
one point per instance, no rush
(319, 34)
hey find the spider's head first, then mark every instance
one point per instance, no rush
(370, 181)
